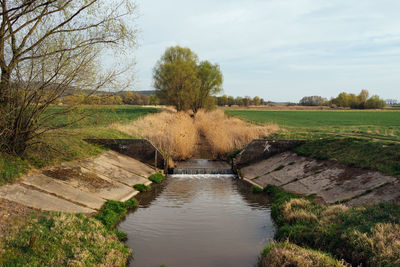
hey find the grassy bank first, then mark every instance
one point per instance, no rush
(61, 239)
(67, 144)
(288, 254)
(360, 235)
(363, 139)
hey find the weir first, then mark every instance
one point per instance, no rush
(202, 166)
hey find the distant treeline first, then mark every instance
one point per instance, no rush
(345, 100)
(139, 98)
(127, 98)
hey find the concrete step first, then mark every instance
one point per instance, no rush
(39, 200)
(64, 190)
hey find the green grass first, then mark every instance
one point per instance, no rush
(335, 230)
(156, 178)
(67, 144)
(142, 187)
(113, 212)
(61, 239)
(320, 118)
(316, 124)
(354, 152)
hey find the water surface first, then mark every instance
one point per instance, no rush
(200, 220)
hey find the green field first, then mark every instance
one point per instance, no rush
(67, 143)
(310, 124)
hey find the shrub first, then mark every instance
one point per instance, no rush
(142, 187)
(287, 254)
(257, 189)
(113, 211)
(156, 178)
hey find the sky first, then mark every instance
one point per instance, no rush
(280, 50)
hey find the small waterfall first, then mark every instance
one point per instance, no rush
(202, 166)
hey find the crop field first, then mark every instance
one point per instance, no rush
(383, 125)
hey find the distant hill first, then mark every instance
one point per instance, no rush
(146, 92)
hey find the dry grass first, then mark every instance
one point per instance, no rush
(382, 245)
(287, 254)
(177, 134)
(226, 134)
(296, 210)
(173, 133)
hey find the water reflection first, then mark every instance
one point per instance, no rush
(199, 221)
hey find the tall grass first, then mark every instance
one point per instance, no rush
(226, 134)
(178, 134)
(173, 133)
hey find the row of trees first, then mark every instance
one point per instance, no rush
(345, 100)
(127, 98)
(240, 101)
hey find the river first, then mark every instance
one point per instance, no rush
(199, 220)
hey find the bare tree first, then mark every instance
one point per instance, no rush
(49, 48)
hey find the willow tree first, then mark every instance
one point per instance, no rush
(184, 82)
(47, 49)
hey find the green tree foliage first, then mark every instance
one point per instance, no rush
(211, 79)
(180, 80)
(312, 101)
(361, 101)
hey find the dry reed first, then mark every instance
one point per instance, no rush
(226, 134)
(173, 133)
(178, 134)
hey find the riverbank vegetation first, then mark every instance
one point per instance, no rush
(179, 134)
(288, 254)
(61, 239)
(366, 235)
(67, 144)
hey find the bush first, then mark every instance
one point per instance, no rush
(257, 189)
(142, 187)
(287, 254)
(156, 178)
(114, 211)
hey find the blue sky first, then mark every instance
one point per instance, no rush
(280, 50)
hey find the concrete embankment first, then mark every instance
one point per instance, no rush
(329, 181)
(80, 186)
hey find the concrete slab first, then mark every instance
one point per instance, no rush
(126, 163)
(116, 173)
(99, 185)
(64, 190)
(388, 192)
(40, 200)
(264, 166)
(331, 188)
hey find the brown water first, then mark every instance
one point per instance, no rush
(199, 220)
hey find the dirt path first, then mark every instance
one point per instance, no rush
(203, 148)
(365, 136)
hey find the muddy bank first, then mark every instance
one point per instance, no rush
(329, 181)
